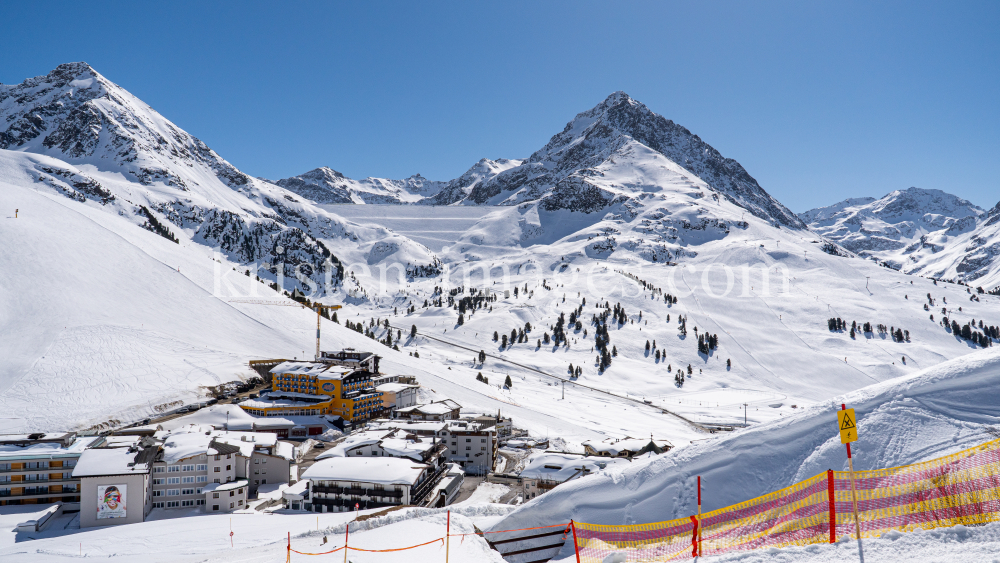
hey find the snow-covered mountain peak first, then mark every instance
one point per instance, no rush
(105, 145)
(325, 185)
(602, 143)
(894, 221)
(911, 229)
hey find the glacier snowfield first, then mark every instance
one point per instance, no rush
(433, 226)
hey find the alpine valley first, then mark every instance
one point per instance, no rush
(626, 277)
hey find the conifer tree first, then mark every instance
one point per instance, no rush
(508, 383)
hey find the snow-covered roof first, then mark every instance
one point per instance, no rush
(355, 440)
(212, 487)
(390, 441)
(271, 490)
(216, 416)
(559, 467)
(425, 409)
(183, 445)
(414, 426)
(288, 400)
(120, 441)
(319, 370)
(296, 491)
(285, 450)
(112, 461)
(382, 470)
(395, 387)
(47, 450)
(266, 439)
(614, 447)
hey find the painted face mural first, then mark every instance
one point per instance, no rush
(112, 497)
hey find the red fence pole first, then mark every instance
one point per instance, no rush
(576, 546)
(699, 515)
(833, 506)
(288, 557)
(694, 537)
(347, 534)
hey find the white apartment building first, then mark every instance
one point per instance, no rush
(188, 463)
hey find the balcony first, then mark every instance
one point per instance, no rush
(356, 491)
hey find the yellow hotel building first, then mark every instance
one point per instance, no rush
(334, 386)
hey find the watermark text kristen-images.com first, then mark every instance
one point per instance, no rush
(601, 280)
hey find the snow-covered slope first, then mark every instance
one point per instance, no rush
(109, 147)
(901, 228)
(938, 411)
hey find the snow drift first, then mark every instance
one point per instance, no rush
(935, 412)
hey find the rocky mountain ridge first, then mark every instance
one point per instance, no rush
(106, 146)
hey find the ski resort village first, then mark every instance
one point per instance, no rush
(591, 330)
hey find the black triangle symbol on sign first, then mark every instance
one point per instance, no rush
(848, 423)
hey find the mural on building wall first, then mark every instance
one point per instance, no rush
(110, 501)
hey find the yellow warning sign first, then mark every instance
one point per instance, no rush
(848, 426)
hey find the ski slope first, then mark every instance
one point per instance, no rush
(934, 412)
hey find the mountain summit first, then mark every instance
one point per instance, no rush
(77, 115)
(617, 133)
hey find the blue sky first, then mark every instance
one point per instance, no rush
(818, 100)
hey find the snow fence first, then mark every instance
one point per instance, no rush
(962, 488)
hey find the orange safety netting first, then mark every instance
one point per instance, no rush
(963, 488)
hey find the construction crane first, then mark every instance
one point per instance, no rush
(319, 307)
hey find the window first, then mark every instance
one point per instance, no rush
(229, 468)
(232, 493)
(174, 469)
(263, 481)
(256, 481)
(229, 456)
(173, 480)
(256, 461)
(199, 491)
(173, 504)
(158, 469)
(218, 469)
(256, 471)
(217, 457)
(230, 505)
(157, 481)
(157, 493)
(482, 440)
(468, 447)
(187, 468)
(157, 505)
(188, 479)
(187, 503)
(173, 492)
(201, 501)
(202, 467)
(215, 495)
(202, 479)
(468, 439)
(264, 460)
(187, 491)
(217, 480)
(215, 507)
(240, 502)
